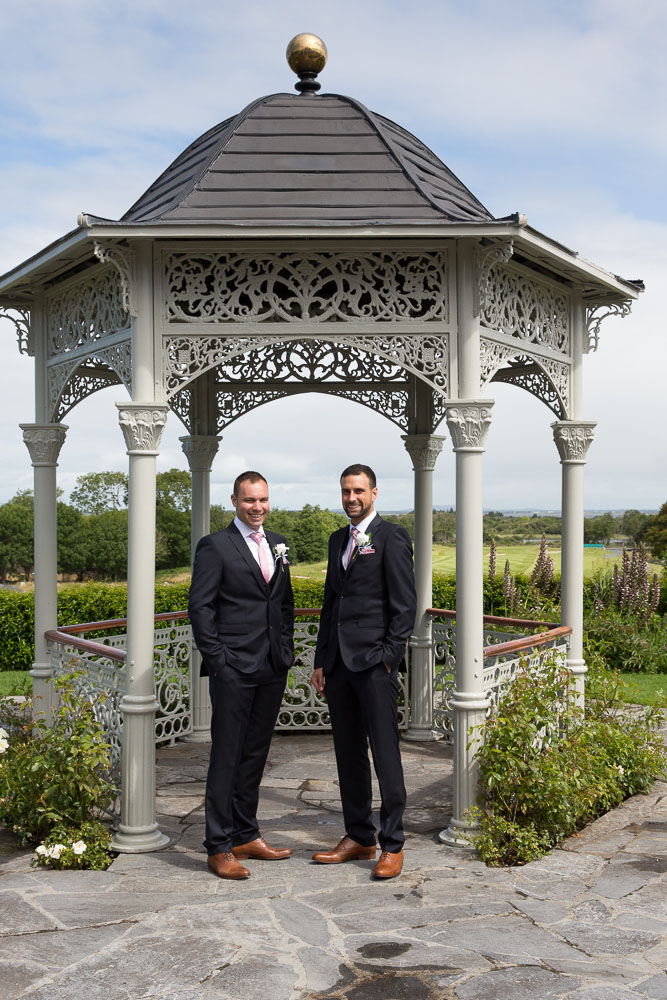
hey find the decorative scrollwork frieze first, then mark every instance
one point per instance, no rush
(486, 257)
(596, 314)
(425, 355)
(423, 450)
(123, 259)
(573, 438)
(521, 306)
(86, 310)
(69, 382)
(21, 320)
(142, 425)
(200, 450)
(292, 286)
(468, 422)
(545, 378)
(44, 442)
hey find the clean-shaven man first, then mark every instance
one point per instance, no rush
(368, 614)
(242, 613)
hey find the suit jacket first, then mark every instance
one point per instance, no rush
(369, 609)
(237, 618)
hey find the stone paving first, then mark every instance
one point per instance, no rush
(588, 922)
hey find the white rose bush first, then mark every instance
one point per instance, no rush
(55, 783)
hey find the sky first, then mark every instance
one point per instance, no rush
(555, 109)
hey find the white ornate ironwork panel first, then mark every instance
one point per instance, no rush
(173, 682)
(425, 355)
(292, 286)
(444, 654)
(21, 319)
(595, 314)
(72, 381)
(545, 378)
(302, 707)
(86, 309)
(520, 305)
(101, 682)
(499, 671)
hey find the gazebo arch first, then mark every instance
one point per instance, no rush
(294, 247)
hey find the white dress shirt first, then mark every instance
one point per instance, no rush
(361, 528)
(252, 544)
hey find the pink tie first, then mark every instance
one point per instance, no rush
(264, 564)
(350, 548)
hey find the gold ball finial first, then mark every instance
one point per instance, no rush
(306, 56)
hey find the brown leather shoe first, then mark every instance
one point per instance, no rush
(346, 850)
(225, 865)
(260, 850)
(389, 865)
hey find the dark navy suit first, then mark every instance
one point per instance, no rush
(367, 616)
(244, 630)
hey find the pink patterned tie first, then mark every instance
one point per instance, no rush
(264, 564)
(350, 548)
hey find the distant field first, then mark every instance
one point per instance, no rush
(522, 559)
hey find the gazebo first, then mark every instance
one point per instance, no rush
(306, 244)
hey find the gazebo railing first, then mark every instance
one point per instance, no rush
(502, 658)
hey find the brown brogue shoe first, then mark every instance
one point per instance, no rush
(346, 850)
(261, 851)
(389, 865)
(225, 865)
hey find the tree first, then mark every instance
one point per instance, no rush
(107, 538)
(600, 529)
(73, 541)
(173, 489)
(634, 524)
(96, 492)
(17, 535)
(656, 533)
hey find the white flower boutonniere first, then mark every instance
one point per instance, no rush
(363, 540)
(280, 552)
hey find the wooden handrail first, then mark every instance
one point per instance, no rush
(66, 634)
(86, 645)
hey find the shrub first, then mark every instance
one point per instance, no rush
(83, 846)
(624, 644)
(545, 769)
(53, 777)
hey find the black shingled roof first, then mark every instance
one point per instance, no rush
(308, 160)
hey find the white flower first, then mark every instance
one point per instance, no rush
(280, 549)
(621, 770)
(41, 850)
(79, 847)
(55, 851)
(4, 735)
(363, 539)
(4, 744)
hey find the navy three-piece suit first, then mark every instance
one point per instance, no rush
(367, 616)
(244, 630)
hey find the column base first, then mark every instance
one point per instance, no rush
(458, 834)
(141, 841)
(197, 736)
(417, 735)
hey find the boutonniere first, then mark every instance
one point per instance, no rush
(364, 544)
(280, 552)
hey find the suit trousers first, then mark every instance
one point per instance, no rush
(245, 709)
(363, 707)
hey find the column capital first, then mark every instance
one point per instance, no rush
(573, 439)
(423, 449)
(468, 421)
(200, 450)
(44, 442)
(142, 425)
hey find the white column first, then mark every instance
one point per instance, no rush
(468, 422)
(573, 439)
(423, 449)
(200, 450)
(44, 442)
(142, 426)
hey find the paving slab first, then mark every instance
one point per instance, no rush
(588, 921)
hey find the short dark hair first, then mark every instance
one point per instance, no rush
(248, 477)
(360, 470)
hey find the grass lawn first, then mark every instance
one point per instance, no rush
(14, 682)
(643, 689)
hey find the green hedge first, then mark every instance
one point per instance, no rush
(95, 602)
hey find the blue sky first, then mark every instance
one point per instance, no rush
(555, 109)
